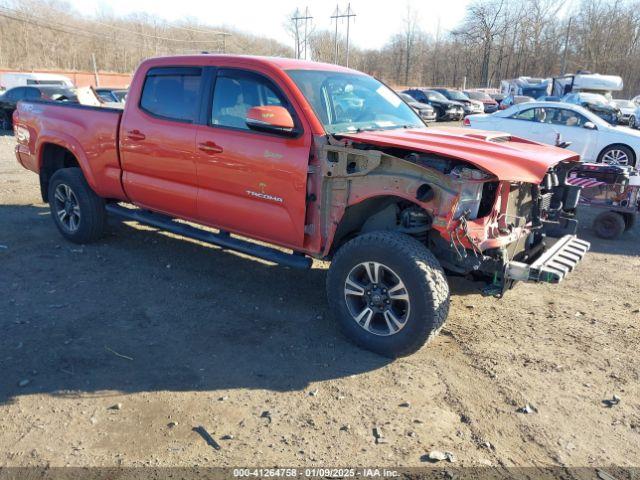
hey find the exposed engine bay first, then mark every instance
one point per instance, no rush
(475, 224)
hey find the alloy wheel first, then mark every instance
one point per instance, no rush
(616, 156)
(377, 298)
(67, 207)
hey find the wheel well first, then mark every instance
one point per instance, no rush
(376, 213)
(54, 157)
(633, 153)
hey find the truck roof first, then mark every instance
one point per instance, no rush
(278, 62)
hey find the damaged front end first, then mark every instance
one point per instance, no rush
(505, 232)
(478, 224)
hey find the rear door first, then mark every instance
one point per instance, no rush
(157, 141)
(251, 182)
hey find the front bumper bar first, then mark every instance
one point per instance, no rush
(553, 265)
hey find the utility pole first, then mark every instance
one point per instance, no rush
(337, 16)
(305, 18)
(348, 15)
(95, 69)
(566, 44)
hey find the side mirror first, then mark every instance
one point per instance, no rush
(590, 126)
(270, 118)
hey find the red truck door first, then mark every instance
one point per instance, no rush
(157, 140)
(251, 182)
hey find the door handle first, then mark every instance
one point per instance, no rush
(135, 135)
(210, 147)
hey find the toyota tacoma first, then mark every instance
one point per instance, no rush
(289, 160)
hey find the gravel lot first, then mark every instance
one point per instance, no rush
(111, 353)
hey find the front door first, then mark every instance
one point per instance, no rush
(570, 126)
(157, 141)
(251, 182)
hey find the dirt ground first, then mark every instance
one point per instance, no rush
(111, 353)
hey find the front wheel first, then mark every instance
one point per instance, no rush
(617, 155)
(388, 293)
(77, 211)
(632, 121)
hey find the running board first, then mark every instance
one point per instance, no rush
(221, 239)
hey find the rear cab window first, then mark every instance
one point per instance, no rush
(172, 93)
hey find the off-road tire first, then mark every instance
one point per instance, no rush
(92, 222)
(609, 225)
(629, 221)
(418, 269)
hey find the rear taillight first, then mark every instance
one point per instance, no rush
(466, 122)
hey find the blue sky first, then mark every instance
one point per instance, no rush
(376, 20)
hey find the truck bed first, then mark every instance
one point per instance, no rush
(91, 133)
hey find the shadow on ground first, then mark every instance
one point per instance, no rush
(143, 311)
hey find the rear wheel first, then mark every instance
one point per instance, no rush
(388, 293)
(632, 121)
(77, 211)
(609, 225)
(617, 155)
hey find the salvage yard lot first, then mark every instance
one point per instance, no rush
(111, 353)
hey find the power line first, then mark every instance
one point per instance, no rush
(38, 21)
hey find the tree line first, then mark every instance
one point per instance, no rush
(502, 39)
(497, 39)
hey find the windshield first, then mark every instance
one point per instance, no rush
(435, 96)
(455, 95)
(407, 98)
(347, 102)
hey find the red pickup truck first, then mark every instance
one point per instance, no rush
(319, 161)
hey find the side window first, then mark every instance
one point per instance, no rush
(236, 92)
(567, 118)
(528, 114)
(172, 93)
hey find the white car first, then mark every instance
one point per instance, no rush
(551, 122)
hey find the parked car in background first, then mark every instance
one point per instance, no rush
(550, 122)
(628, 111)
(10, 98)
(596, 103)
(511, 100)
(18, 79)
(445, 109)
(489, 104)
(424, 110)
(470, 106)
(111, 95)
